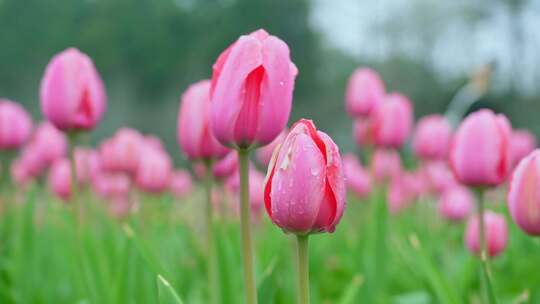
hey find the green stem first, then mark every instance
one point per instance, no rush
(247, 247)
(303, 269)
(485, 275)
(212, 275)
(74, 182)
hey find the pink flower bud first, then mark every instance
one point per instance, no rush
(60, 179)
(88, 165)
(194, 134)
(480, 152)
(154, 170)
(495, 231)
(524, 194)
(456, 203)
(362, 132)
(305, 186)
(432, 137)
(181, 184)
(226, 166)
(15, 125)
(357, 178)
(264, 154)
(111, 185)
(365, 91)
(438, 176)
(256, 193)
(251, 91)
(121, 153)
(392, 121)
(402, 192)
(72, 93)
(522, 142)
(385, 165)
(49, 143)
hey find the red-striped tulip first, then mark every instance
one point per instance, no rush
(365, 91)
(392, 121)
(496, 233)
(15, 125)
(432, 137)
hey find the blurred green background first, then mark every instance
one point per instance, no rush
(149, 51)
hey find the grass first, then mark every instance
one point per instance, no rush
(157, 256)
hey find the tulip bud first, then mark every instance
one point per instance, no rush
(456, 203)
(72, 93)
(480, 153)
(264, 154)
(524, 194)
(194, 134)
(256, 187)
(87, 163)
(251, 91)
(522, 142)
(495, 231)
(385, 165)
(305, 187)
(181, 184)
(60, 179)
(403, 190)
(154, 170)
(432, 137)
(392, 121)
(111, 185)
(357, 178)
(438, 176)
(226, 166)
(365, 91)
(362, 132)
(121, 153)
(49, 143)
(15, 125)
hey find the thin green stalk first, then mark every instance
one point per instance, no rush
(74, 183)
(303, 269)
(212, 276)
(485, 278)
(247, 247)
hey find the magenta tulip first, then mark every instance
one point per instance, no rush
(154, 171)
(264, 154)
(438, 176)
(60, 179)
(365, 91)
(480, 153)
(362, 133)
(522, 142)
(122, 152)
(256, 187)
(456, 203)
(495, 230)
(385, 165)
(194, 134)
(357, 178)
(88, 164)
(305, 186)
(15, 125)
(252, 88)
(524, 194)
(181, 184)
(49, 143)
(403, 190)
(111, 185)
(226, 166)
(392, 121)
(72, 93)
(432, 137)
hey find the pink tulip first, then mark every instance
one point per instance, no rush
(362, 132)
(264, 154)
(251, 91)
(199, 170)
(365, 91)
(15, 125)
(402, 192)
(88, 165)
(194, 134)
(60, 179)
(480, 153)
(119, 207)
(456, 203)
(305, 187)
(19, 173)
(226, 166)
(256, 187)
(522, 142)
(432, 137)
(181, 184)
(122, 152)
(72, 93)
(153, 141)
(49, 143)
(357, 178)
(495, 231)
(111, 185)
(392, 121)
(32, 162)
(524, 194)
(154, 171)
(438, 176)
(385, 165)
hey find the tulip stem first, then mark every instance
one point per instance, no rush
(74, 183)
(212, 274)
(303, 269)
(247, 247)
(485, 274)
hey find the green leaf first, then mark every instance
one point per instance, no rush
(166, 293)
(349, 295)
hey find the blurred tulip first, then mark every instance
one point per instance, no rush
(153, 141)
(403, 190)
(88, 165)
(496, 233)
(15, 125)
(392, 121)
(199, 170)
(522, 142)
(111, 185)
(119, 206)
(524, 194)
(356, 177)
(122, 152)
(438, 176)
(72, 93)
(365, 91)
(251, 91)
(60, 179)
(194, 134)
(226, 166)
(19, 173)
(154, 170)
(264, 154)
(385, 165)
(362, 132)
(480, 153)
(49, 143)
(181, 184)
(305, 187)
(256, 193)
(432, 137)
(456, 203)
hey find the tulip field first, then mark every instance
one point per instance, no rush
(443, 208)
